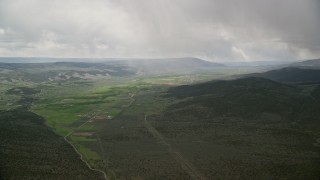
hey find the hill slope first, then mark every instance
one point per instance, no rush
(250, 128)
(291, 75)
(245, 98)
(31, 150)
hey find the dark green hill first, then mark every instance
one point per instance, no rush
(292, 75)
(250, 128)
(30, 150)
(245, 98)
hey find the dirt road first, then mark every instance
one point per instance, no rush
(81, 156)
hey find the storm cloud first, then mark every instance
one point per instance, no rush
(228, 30)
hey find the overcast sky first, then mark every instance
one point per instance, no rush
(217, 30)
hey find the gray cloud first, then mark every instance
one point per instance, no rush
(229, 30)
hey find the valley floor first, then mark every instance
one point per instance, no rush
(131, 128)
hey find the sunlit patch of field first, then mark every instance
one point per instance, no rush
(221, 73)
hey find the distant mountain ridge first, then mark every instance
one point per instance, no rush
(313, 63)
(170, 66)
(88, 60)
(304, 72)
(61, 71)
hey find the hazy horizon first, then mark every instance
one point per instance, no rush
(106, 59)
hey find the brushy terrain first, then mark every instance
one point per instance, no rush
(31, 150)
(249, 128)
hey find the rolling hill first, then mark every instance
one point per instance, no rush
(31, 150)
(236, 98)
(291, 75)
(313, 63)
(252, 128)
